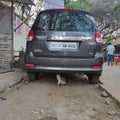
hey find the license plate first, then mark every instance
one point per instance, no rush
(63, 45)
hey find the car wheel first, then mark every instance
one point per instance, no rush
(36, 76)
(32, 76)
(93, 79)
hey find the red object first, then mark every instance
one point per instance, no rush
(117, 60)
(96, 66)
(29, 65)
(66, 10)
(98, 38)
(30, 36)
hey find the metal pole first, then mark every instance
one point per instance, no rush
(12, 34)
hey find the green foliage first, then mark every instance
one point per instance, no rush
(79, 4)
(66, 1)
(89, 1)
(75, 5)
(89, 9)
(116, 6)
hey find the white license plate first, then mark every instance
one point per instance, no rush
(63, 45)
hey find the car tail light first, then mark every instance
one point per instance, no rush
(29, 65)
(97, 67)
(30, 36)
(98, 38)
(65, 10)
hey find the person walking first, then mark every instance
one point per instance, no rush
(110, 54)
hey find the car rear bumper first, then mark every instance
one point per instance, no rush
(64, 65)
(63, 70)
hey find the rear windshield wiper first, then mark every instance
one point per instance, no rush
(51, 29)
(45, 29)
(39, 29)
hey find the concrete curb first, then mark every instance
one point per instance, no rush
(5, 71)
(117, 101)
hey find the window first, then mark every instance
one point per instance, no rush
(66, 21)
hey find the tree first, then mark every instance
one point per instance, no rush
(79, 4)
(108, 18)
(28, 12)
(106, 14)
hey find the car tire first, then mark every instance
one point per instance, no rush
(33, 76)
(93, 79)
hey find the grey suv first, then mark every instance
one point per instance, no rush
(64, 41)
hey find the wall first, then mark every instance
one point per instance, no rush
(5, 37)
(20, 35)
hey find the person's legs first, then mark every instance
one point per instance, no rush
(108, 59)
(112, 59)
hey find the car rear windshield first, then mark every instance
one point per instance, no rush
(65, 21)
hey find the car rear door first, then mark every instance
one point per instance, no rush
(64, 34)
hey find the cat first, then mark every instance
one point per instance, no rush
(60, 79)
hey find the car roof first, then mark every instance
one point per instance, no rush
(75, 10)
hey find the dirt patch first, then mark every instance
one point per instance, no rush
(44, 100)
